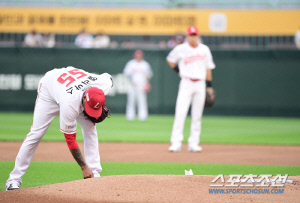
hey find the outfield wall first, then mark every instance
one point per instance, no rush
(264, 83)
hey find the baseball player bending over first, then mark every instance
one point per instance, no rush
(193, 62)
(77, 96)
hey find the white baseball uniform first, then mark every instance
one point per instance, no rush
(60, 91)
(138, 73)
(193, 65)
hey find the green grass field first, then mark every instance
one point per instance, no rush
(228, 130)
(45, 173)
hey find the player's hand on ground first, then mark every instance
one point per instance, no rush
(86, 172)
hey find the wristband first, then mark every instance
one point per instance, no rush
(208, 83)
(71, 140)
(176, 69)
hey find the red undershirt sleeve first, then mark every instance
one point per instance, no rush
(71, 140)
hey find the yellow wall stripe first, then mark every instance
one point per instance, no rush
(150, 22)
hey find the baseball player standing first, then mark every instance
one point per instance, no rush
(77, 96)
(193, 62)
(139, 73)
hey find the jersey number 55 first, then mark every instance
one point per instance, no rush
(71, 76)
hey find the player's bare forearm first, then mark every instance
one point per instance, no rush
(78, 157)
(208, 75)
(172, 65)
(86, 172)
(208, 81)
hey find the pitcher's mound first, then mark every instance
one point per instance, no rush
(144, 188)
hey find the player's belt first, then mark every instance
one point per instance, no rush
(194, 80)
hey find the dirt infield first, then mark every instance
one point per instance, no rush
(142, 152)
(154, 188)
(144, 188)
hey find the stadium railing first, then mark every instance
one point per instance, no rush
(214, 42)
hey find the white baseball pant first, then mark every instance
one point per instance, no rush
(44, 112)
(136, 94)
(189, 92)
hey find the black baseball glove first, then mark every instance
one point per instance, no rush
(105, 114)
(209, 99)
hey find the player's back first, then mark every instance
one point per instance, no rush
(66, 83)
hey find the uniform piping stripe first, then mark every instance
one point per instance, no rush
(68, 131)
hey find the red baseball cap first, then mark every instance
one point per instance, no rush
(138, 53)
(95, 99)
(192, 30)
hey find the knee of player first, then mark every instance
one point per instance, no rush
(32, 139)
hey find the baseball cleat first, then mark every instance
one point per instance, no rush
(194, 148)
(12, 186)
(175, 148)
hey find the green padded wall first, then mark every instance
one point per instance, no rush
(264, 83)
